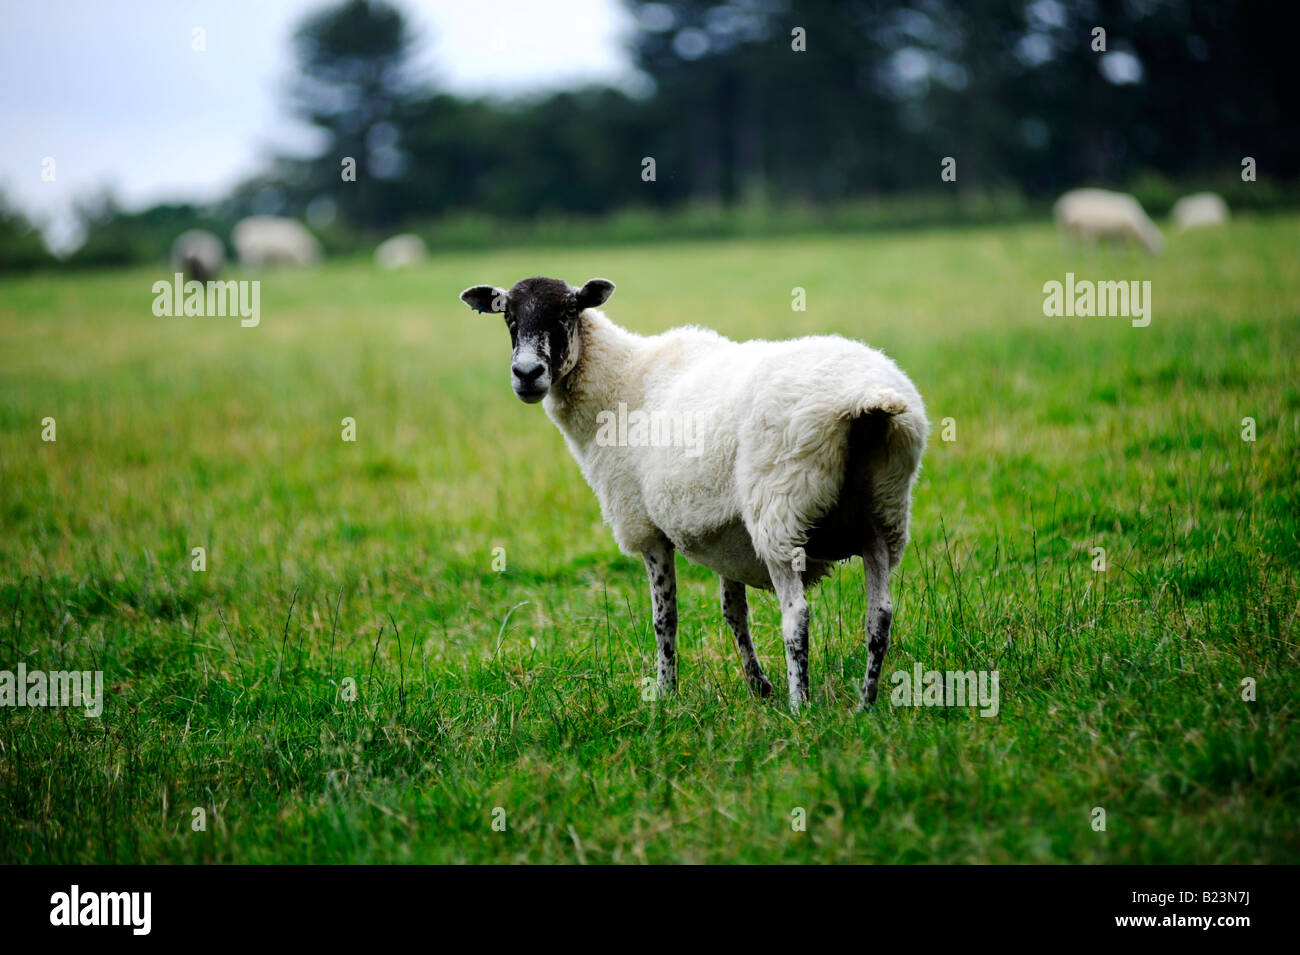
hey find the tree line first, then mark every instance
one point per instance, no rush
(764, 110)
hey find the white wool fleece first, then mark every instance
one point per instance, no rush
(773, 425)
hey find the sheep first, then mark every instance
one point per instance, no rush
(1199, 209)
(198, 254)
(400, 251)
(801, 454)
(273, 240)
(1092, 214)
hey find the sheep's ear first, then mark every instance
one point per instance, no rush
(485, 298)
(595, 292)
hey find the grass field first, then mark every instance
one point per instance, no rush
(373, 560)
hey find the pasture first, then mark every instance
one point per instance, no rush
(378, 561)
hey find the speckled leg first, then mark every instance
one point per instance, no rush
(662, 571)
(735, 610)
(788, 584)
(880, 614)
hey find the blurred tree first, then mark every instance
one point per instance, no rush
(115, 237)
(1013, 89)
(785, 102)
(806, 101)
(21, 246)
(354, 62)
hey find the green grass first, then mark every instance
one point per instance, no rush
(373, 560)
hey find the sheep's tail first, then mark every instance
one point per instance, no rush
(791, 476)
(880, 400)
(895, 459)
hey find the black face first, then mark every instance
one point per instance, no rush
(543, 317)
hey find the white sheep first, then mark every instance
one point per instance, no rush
(198, 254)
(1199, 209)
(274, 240)
(1091, 214)
(766, 462)
(399, 251)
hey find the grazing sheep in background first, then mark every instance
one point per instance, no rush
(198, 254)
(400, 251)
(796, 454)
(1200, 209)
(1091, 214)
(273, 240)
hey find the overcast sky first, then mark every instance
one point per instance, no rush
(115, 93)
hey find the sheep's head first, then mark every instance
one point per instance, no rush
(542, 315)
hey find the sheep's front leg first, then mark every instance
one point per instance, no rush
(735, 610)
(880, 614)
(662, 571)
(788, 584)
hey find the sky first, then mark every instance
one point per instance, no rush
(118, 94)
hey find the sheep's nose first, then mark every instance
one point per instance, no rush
(527, 371)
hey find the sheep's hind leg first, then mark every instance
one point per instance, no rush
(788, 584)
(880, 613)
(735, 610)
(662, 570)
